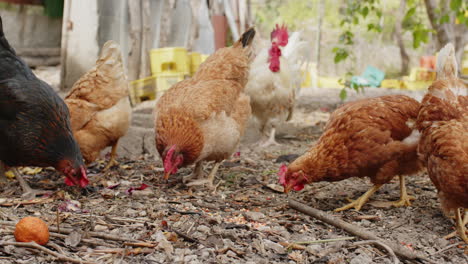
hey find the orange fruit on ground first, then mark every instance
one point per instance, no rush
(31, 229)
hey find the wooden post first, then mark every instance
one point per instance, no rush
(320, 5)
(145, 39)
(134, 55)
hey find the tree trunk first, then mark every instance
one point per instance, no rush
(134, 56)
(448, 32)
(399, 36)
(442, 31)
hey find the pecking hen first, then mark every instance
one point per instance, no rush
(99, 106)
(274, 78)
(203, 118)
(34, 123)
(373, 138)
(443, 123)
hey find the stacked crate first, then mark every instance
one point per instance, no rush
(168, 67)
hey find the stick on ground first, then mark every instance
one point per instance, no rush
(34, 245)
(382, 246)
(355, 230)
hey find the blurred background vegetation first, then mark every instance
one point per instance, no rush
(391, 35)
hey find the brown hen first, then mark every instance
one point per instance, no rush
(370, 137)
(443, 122)
(99, 105)
(203, 118)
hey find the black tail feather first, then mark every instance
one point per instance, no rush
(247, 37)
(3, 41)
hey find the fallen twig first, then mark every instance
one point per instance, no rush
(34, 245)
(140, 244)
(446, 248)
(185, 237)
(123, 251)
(297, 245)
(382, 246)
(84, 240)
(355, 230)
(94, 234)
(18, 202)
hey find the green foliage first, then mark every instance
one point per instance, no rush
(355, 12)
(460, 8)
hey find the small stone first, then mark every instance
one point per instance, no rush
(100, 228)
(190, 258)
(142, 213)
(254, 216)
(361, 259)
(313, 249)
(204, 229)
(131, 212)
(231, 254)
(142, 193)
(273, 246)
(365, 223)
(205, 254)
(199, 235)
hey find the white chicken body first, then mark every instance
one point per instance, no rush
(273, 94)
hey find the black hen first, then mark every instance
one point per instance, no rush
(34, 122)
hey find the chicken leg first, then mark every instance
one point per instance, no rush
(405, 199)
(197, 173)
(357, 204)
(112, 162)
(460, 227)
(28, 192)
(3, 178)
(209, 181)
(271, 139)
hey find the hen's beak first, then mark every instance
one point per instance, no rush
(287, 188)
(166, 175)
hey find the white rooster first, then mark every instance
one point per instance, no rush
(274, 79)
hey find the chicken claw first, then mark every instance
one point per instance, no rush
(271, 140)
(28, 192)
(196, 174)
(210, 180)
(405, 199)
(461, 229)
(112, 162)
(359, 203)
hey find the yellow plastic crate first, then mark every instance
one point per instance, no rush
(391, 83)
(196, 59)
(142, 90)
(416, 86)
(165, 81)
(329, 82)
(169, 60)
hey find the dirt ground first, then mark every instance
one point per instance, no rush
(247, 220)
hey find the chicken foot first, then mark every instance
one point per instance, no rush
(271, 139)
(357, 204)
(209, 181)
(405, 199)
(28, 192)
(459, 227)
(112, 161)
(197, 173)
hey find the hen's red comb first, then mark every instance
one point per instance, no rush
(282, 174)
(168, 159)
(280, 34)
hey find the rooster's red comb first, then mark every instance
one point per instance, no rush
(280, 33)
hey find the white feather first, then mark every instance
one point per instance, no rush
(446, 65)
